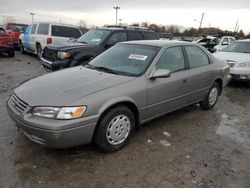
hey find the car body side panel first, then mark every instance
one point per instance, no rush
(199, 82)
(166, 94)
(133, 91)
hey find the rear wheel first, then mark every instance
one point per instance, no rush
(21, 47)
(39, 50)
(114, 129)
(211, 97)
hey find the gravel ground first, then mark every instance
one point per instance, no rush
(187, 148)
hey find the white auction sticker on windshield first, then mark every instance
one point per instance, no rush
(96, 40)
(138, 57)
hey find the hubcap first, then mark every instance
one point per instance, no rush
(118, 130)
(213, 95)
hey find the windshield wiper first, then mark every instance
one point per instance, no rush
(82, 42)
(105, 69)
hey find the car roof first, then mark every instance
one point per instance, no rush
(158, 43)
(55, 23)
(244, 40)
(127, 29)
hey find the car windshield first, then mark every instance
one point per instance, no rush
(124, 59)
(2, 30)
(95, 36)
(240, 47)
(17, 27)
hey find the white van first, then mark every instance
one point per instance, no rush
(39, 35)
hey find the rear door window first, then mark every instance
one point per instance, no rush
(64, 31)
(43, 29)
(33, 30)
(118, 37)
(134, 35)
(196, 57)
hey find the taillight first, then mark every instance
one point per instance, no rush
(49, 40)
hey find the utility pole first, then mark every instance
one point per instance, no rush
(116, 14)
(202, 16)
(236, 26)
(32, 16)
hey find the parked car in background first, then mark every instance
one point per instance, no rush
(90, 45)
(166, 36)
(6, 43)
(14, 30)
(214, 44)
(237, 55)
(39, 35)
(125, 86)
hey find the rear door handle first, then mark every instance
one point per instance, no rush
(185, 80)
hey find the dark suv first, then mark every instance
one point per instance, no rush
(90, 45)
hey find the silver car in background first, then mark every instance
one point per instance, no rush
(106, 100)
(237, 55)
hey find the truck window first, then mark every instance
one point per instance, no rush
(43, 29)
(64, 31)
(33, 30)
(150, 36)
(134, 35)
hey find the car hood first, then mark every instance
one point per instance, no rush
(64, 87)
(68, 46)
(232, 56)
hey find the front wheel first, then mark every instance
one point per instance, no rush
(114, 129)
(11, 53)
(211, 97)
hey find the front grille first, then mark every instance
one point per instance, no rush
(19, 105)
(47, 66)
(49, 54)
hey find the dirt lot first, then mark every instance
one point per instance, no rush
(207, 148)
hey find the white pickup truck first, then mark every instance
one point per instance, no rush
(39, 35)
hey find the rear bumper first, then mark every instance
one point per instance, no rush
(78, 132)
(55, 65)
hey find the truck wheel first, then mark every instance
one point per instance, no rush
(39, 51)
(211, 97)
(11, 53)
(114, 129)
(21, 47)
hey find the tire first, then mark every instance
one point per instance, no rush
(211, 97)
(11, 53)
(39, 51)
(21, 47)
(114, 129)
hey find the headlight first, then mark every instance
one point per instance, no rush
(59, 113)
(63, 55)
(245, 64)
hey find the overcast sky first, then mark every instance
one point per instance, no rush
(218, 13)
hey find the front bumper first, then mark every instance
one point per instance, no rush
(227, 79)
(54, 65)
(54, 133)
(6, 48)
(240, 73)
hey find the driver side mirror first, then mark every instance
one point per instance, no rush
(110, 43)
(160, 73)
